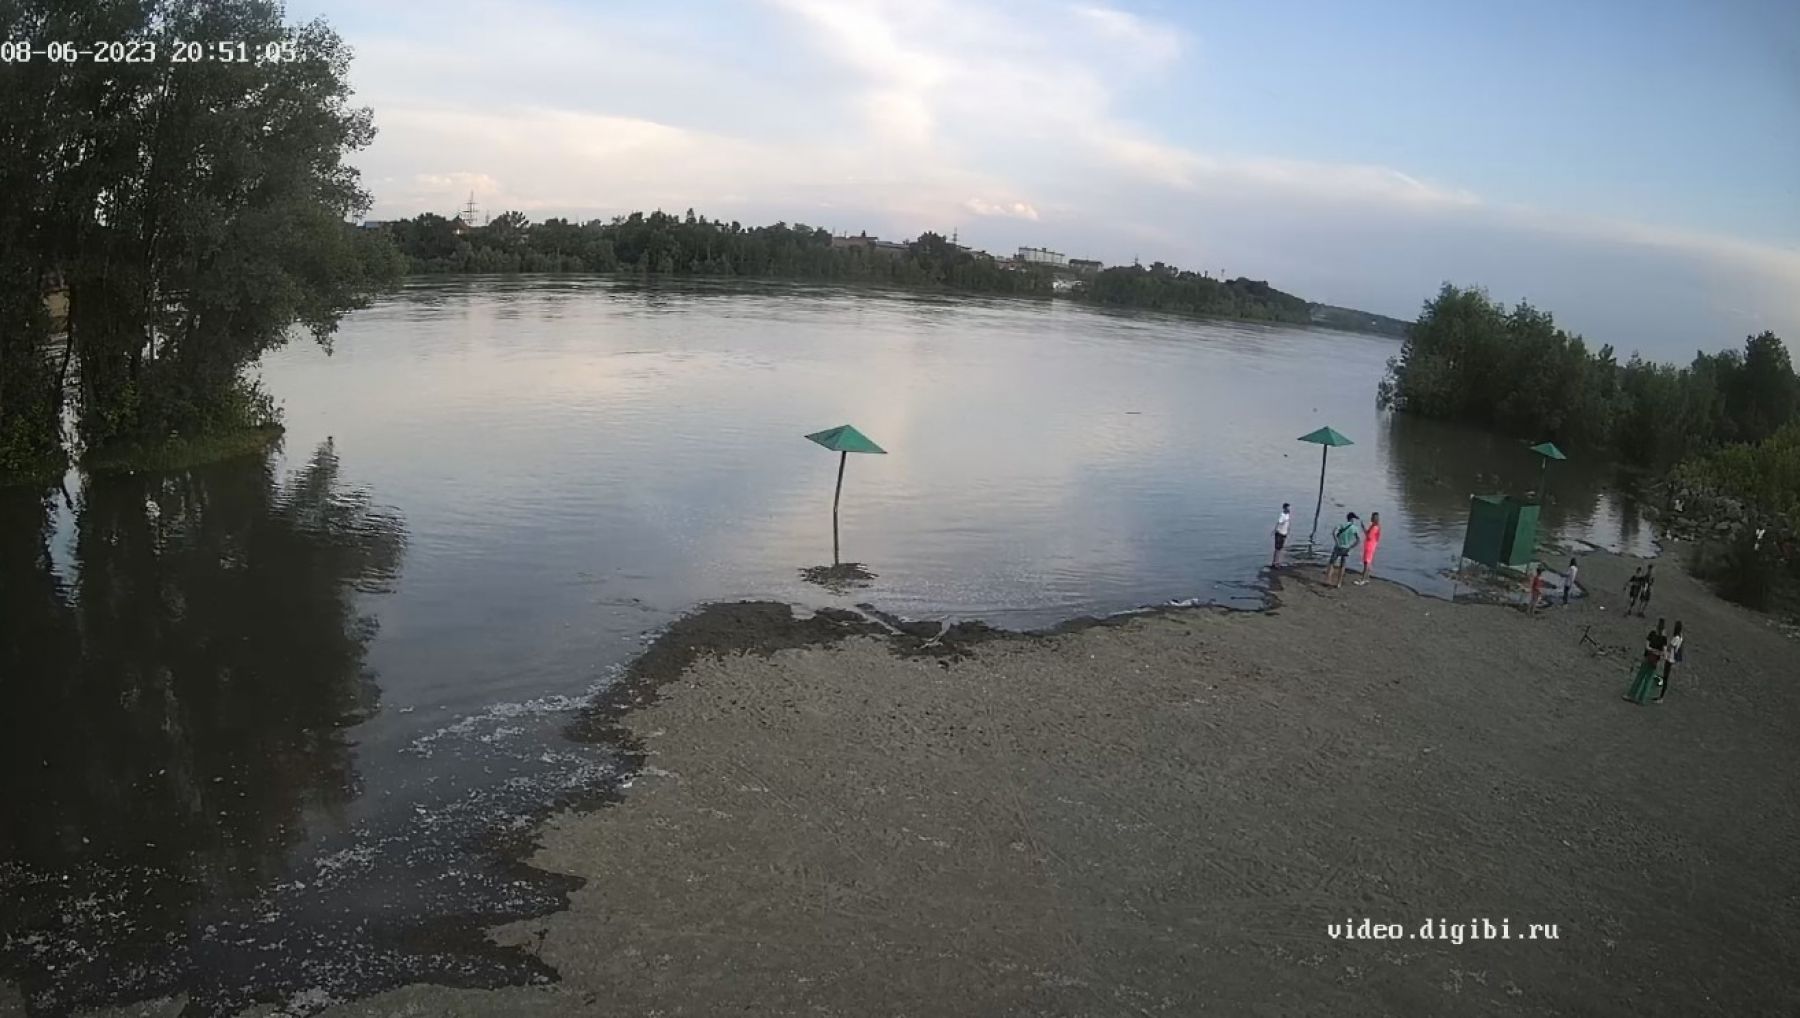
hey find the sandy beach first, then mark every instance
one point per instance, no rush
(1167, 815)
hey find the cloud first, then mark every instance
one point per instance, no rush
(1144, 39)
(1011, 120)
(1016, 210)
(934, 78)
(442, 185)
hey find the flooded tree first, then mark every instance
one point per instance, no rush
(1471, 360)
(192, 207)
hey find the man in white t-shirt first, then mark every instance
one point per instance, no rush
(1281, 532)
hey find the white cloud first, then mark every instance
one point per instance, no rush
(1145, 40)
(1006, 119)
(1015, 210)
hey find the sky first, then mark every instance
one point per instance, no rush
(1633, 167)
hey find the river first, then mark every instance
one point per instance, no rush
(278, 724)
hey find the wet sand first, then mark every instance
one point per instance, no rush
(1163, 816)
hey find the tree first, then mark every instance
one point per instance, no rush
(1470, 359)
(1764, 394)
(1164, 287)
(197, 210)
(52, 116)
(506, 231)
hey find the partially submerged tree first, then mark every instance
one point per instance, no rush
(197, 209)
(1470, 359)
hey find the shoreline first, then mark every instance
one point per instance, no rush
(183, 453)
(933, 290)
(737, 696)
(766, 637)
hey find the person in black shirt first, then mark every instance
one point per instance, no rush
(1634, 587)
(1645, 680)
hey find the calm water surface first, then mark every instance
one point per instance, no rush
(266, 716)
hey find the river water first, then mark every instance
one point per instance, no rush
(270, 719)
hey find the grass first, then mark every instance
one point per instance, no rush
(182, 452)
(38, 474)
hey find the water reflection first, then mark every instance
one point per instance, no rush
(1434, 468)
(178, 706)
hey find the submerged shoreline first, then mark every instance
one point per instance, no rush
(1161, 812)
(571, 854)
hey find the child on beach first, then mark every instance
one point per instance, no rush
(1342, 540)
(1569, 579)
(1371, 538)
(1649, 585)
(1537, 588)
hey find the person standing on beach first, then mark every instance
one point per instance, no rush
(1281, 534)
(1671, 658)
(1649, 585)
(1371, 538)
(1342, 540)
(1537, 588)
(1641, 684)
(1634, 587)
(1569, 579)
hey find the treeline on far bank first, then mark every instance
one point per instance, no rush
(660, 243)
(1167, 288)
(664, 244)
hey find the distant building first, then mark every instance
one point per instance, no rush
(1042, 256)
(864, 242)
(1085, 265)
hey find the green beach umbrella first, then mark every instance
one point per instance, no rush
(1325, 438)
(842, 440)
(1548, 451)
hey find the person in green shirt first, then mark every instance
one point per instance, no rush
(1645, 679)
(1344, 538)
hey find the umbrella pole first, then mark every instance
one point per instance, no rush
(1325, 454)
(835, 496)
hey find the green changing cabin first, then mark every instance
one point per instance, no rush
(1502, 531)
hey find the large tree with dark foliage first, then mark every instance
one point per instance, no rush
(196, 208)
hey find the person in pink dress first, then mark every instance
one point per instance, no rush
(1371, 538)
